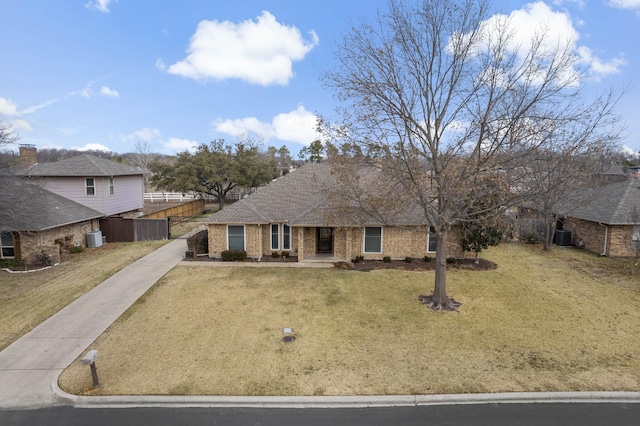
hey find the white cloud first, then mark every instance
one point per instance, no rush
(99, 5)
(625, 4)
(35, 108)
(244, 125)
(144, 135)
(297, 126)
(8, 107)
(174, 145)
(110, 93)
(92, 147)
(538, 18)
(154, 138)
(21, 124)
(259, 52)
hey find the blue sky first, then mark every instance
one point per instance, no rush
(100, 74)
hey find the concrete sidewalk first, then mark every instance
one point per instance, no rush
(30, 366)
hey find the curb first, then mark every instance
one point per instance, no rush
(339, 401)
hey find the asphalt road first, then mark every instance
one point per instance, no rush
(443, 415)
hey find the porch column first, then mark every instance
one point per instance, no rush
(300, 243)
(348, 243)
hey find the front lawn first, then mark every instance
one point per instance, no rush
(558, 321)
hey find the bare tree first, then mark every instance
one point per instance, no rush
(438, 98)
(9, 183)
(7, 137)
(143, 155)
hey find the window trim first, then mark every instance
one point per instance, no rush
(431, 233)
(111, 185)
(244, 237)
(92, 186)
(276, 235)
(364, 239)
(12, 246)
(635, 238)
(286, 241)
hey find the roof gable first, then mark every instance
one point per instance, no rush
(290, 198)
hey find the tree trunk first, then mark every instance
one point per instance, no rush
(439, 301)
(549, 231)
(220, 201)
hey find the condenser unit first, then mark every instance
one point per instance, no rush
(94, 239)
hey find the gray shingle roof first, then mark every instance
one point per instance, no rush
(83, 165)
(614, 204)
(33, 208)
(293, 198)
(297, 198)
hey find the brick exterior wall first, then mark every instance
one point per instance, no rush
(348, 242)
(593, 235)
(55, 242)
(398, 243)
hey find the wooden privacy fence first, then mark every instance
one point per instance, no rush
(138, 229)
(179, 212)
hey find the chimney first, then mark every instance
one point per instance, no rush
(28, 155)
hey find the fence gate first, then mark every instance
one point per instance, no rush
(138, 229)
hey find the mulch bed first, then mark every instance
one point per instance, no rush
(421, 265)
(371, 265)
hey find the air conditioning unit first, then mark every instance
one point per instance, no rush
(94, 239)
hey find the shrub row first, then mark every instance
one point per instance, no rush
(234, 255)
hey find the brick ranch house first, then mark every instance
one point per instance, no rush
(41, 221)
(290, 215)
(609, 222)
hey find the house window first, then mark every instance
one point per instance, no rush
(235, 237)
(432, 240)
(286, 237)
(635, 239)
(6, 245)
(111, 187)
(90, 186)
(275, 236)
(373, 239)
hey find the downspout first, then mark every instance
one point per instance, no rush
(260, 242)
(606, 237)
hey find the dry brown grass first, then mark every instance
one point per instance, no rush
(27, 299)
(555, 321)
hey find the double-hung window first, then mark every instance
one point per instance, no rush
(373, 239)
(635, 239)
(275, 236)
(7, 245)
(278, 238)
(90, 186)
(112, 189)
(431, 240)
(235, 237)
(286, 237)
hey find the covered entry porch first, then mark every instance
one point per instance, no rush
(324, 243)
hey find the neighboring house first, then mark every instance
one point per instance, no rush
(111, 188)
(291, 215)
(608, 222)
(36, 220)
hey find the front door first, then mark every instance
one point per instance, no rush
(324, 240)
